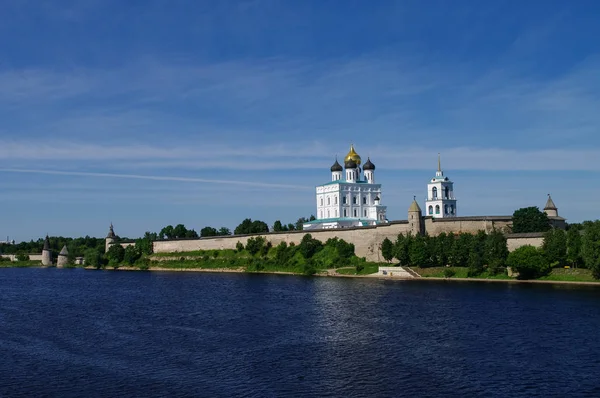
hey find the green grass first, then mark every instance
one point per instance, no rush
(20, 264)
(570, 274)
(201, 253)
(369, 268)
(459, 272)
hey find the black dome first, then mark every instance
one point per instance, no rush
(336, 166)
(368, 165)
(350, 164)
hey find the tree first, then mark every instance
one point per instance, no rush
(208, 231)
(255, 245)
(291, 227)
(239, 246)
(115, 254)
(528, 261)
(179, 231)
(309, 246)
(574, 245)
(530, 219)
(476, 254)
(251, 227)
(590, 247)
(277, 227)
(461, 249)
(223, 231)
(300, 224)
(555, 247)
(144, 245)
(93, 258)
(167, 232)
(401, 249)
(132, 254)
(191, 234)
(387, 250)
(496, 251)
(22, 257)
(418, 253)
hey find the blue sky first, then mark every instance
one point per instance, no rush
(148, 113)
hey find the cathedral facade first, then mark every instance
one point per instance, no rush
(351, 198)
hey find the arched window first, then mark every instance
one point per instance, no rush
(344, 200)
(437, 209)
(355, 213)
(365, 212)
(430, 209)
(345, 213)
(328, 200)
(434, 193)
(354, 200)
(335, 199)
(328, 216)
(364, 200)
(451, 209)
(446, 191)
(445, 209)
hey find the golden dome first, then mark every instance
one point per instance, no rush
(352, 155)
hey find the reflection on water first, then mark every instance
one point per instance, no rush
(81, 333)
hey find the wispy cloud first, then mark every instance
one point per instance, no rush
(157, 178)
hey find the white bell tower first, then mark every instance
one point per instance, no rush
(440, 202)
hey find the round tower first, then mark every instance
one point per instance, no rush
(415, 218)
(46, 253)
(550, 209)
(110, 238)
(63, 257)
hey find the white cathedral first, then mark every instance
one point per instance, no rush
(352, 199)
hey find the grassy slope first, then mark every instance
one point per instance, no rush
(557, 274)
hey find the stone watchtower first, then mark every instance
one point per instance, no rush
(415, 218)
(63, 258)
(550, 209)
(110, 238)
(46, 253)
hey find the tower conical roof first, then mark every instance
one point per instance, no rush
(64, 251)
(111, 232)
(46, 243)
(550, 204)
(414, 206)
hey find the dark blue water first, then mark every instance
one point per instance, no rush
(94, 333)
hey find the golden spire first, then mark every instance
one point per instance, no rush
(352, 155)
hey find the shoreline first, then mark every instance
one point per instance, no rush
(336, 275)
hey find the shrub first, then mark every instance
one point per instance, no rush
(22, 257)
(239, 246)
(529, 262)
(449, 273)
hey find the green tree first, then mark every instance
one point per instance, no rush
(309, 246)
(300, 224)
(555, 247)
(166, 232)
(239, 246)
(115, 255)
(22, 257)
(93, 258)
(574, 245)
(401, 248)
(496, 251)
(530, 219)
(528, 261)
(251, 227)
(461, 250)
(179, 231)
(418, 253)
(387, 250)
(131, 255)
(208, 231)
(144, 245)
(590, 247)
(224, 231)
(291, 227)
(191, 234)
(476, 254)
(255, 245)
(277, 226)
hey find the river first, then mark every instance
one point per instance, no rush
(74, 332)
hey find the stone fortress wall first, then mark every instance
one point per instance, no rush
(366, 240)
